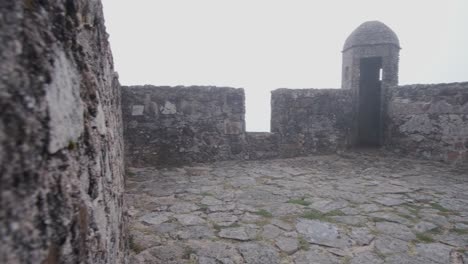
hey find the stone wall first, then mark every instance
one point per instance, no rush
(179, 125)
(311, 121)
(429, 121)
(261, 145)
(61, 179)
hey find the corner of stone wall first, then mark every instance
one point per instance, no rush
(61, 145)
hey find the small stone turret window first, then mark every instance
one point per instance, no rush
(346, 73)
(380, 74)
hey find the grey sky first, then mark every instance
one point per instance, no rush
(262, 45)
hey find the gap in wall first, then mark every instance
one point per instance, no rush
(257, 109)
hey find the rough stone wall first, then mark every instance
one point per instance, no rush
(311, 121)
(61, 158)
(181, 125)
(429, 121)
(261, 145)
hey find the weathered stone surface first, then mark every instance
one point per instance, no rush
(395, 230)
(422, 227)
(167, 254)
(61, 160)
(390, 217)
(191, 124)
(216, 252)
(238, 233)
(223, 219)
(155, 218)
(436, 252)
(361, 236)
(407, 259)
(189, 219)
(322, 233)
(255, 253)
(208, 200)
(195, 232)
(271, 231)
(266, 209)
(282, 224)
(287, 244)
(366, 258)
(315, 255)
(183, 208)
(350, 220)
(389, 245)
(388, 201)
(326, 206)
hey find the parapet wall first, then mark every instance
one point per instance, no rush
(61, 144)
(429, 121)
(167, 126)
(310, 121)
(179, 125)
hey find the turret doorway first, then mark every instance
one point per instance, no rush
(369, 112)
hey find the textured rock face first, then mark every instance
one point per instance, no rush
(61, 159)
(177, 125)
(261, 145)
(311, 120)
(429, 121)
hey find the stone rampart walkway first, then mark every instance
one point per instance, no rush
(357, 208)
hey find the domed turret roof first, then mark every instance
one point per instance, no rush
(371, 33)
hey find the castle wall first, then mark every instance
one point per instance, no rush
(429, 121)
(61, 172)
(180, 125)
(311, 121)
(261, 145)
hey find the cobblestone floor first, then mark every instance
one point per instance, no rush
(355, 208)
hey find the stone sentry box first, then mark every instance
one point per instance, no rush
(179, 125)
(369, 69)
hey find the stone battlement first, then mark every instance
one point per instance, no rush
(167, 126)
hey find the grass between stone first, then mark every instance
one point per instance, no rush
(460, 231)
(303, 244)
(299, 202)
(424, 238)
(347, 260)
(442, 210)
(413, 208)
(135, 247)
(264, 213)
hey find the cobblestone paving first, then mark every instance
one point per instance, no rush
(355, 208)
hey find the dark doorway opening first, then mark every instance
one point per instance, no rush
(369, 113)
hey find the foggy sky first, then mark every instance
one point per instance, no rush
(261, 45)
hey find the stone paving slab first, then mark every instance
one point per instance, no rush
(362, 207)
